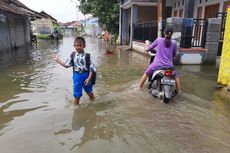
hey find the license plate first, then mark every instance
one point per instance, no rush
(168, 81)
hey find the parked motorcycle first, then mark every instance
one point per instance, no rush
(56, 35)
(162, 82)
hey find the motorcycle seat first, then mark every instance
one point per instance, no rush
(168, 68)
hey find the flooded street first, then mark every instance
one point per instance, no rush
(37, 115)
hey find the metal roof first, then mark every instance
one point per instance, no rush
(16, 7)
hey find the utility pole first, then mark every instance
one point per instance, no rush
(77, 7)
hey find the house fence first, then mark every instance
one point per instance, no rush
(195, 34)
(145, 31)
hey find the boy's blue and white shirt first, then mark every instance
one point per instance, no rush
(80, 63)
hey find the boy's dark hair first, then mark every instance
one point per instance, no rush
(79, 39)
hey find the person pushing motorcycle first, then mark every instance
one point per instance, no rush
(165, 52)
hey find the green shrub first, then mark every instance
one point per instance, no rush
(42, 36)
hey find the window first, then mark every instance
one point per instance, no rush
(211, 11)
(200, 1)
(175, 13)
(178, 3)
(181, 11)
(199, 12)
(182, 2)
(175, 5)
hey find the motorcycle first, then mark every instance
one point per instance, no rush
(162, 82)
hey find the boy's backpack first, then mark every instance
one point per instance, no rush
(87, 59)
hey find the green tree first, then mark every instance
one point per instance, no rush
(107, 12)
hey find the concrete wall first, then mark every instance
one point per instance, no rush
(4, 34)
(177, 7)
(17, 32)
(27, 25)
(146, 13)
(203, 4)
(212, 40)
(14, 32)
(44, 26)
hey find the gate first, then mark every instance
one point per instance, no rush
(223, 16)
(145, 31)
(193, 33)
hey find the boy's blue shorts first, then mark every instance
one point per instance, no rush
(78, 84)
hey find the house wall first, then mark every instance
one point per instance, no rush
(203, 4)
(4, 33)
(14, 31)
(44, 26)
(177, 6)
(17, 31)
(129, 15)
(146, 13)
(27, 25)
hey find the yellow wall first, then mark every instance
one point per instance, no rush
(224, 70)
(44, 23)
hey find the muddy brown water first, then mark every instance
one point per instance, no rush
(36, 114)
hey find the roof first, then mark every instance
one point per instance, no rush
(16, 7)
(44, 14)
(75, 24)
(69, 23)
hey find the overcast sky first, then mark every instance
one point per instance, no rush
(62, 10)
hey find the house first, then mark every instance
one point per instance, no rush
(76, 25)
(71, 28)
(15, 26)
(45, 25)
(139, 14)
(199, 9)
(198, 25)
(92, 26)
(208, 22)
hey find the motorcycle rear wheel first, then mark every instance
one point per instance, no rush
(165, 100)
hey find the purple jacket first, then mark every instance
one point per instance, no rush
(164, 56)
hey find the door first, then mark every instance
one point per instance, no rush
(199, 13)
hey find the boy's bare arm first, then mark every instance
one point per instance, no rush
(90, 75)
(59, 61)
(87, 81)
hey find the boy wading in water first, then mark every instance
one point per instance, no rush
(82, 72)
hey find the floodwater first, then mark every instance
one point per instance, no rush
(37, 115)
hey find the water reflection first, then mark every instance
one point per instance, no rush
(7, 116)
(85, 118)
(199, 80)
